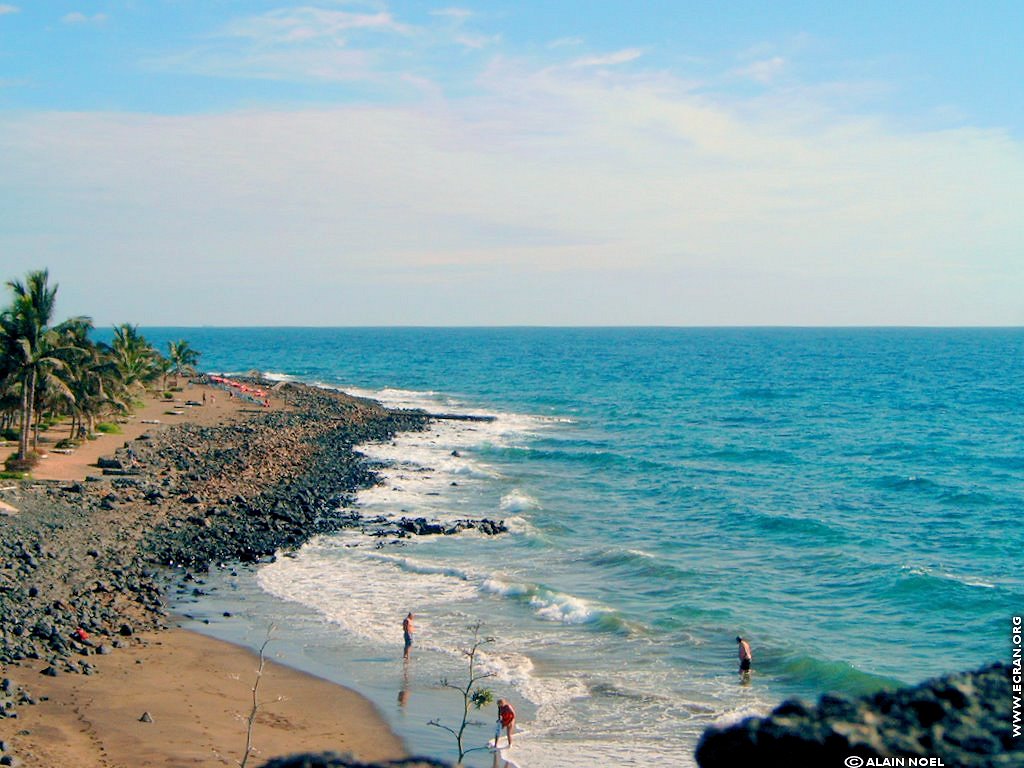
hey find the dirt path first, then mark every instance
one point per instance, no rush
(217, 408)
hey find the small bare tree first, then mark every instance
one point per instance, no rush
(472, 694)
(256, 704)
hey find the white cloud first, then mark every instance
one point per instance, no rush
(565, 42)
(5, 9)
(296, 44)
(334, 64)
(77, 17)
(477, 42)
(765, 70)
(306, 44)
(610, 59)
(661, 205)
(457, 14)
(299, 25)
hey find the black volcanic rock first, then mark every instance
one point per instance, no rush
(334, 760)
(963, 719)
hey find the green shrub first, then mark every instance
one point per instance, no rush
(11, 434)
(168, 395)
(14, 464)
(108, 428)
(67, 442)
(5, 475)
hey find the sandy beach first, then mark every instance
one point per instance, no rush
(198, 693)
(197, 690)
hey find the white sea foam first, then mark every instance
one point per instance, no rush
(518, 501)
(546, 604)
(642, 553)
(438, 472)
(413, 566)
(978, 583)
(323, 573)
(495, 586)
(277, 376)
(564, 608)
(518, 670)
(968, 581)
(520, 525)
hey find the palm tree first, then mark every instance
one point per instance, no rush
(10, 396)
(182, 357)
(136, 360)
(29, 344)
(94, 379)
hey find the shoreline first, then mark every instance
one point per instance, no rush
(82, 546)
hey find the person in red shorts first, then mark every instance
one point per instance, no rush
(507, 718)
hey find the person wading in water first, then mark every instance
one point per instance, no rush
(407, 630)
(506, 720)
(746, 657)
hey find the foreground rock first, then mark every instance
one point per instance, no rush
(962, 720)
(333, 760)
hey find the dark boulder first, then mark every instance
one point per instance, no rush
(962, 720)
(334, 760)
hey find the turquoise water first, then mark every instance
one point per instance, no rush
(849, 500)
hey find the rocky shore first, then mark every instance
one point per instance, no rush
(80, 564)
(959, 720)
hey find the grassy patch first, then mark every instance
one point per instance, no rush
(108, 428)
(8, 475)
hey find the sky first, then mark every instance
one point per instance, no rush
(494, 162)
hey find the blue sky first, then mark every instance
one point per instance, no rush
(671, 163)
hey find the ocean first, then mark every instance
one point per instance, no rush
(849, 500)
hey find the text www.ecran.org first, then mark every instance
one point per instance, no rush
(1015, 676)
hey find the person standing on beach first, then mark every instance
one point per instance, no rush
(746, 657)
(407, 630)
(506, 720)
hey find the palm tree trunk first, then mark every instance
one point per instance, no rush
(28, 391)
(36, 421)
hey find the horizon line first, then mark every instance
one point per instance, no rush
(574, 327)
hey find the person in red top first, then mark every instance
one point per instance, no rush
(507, 718)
